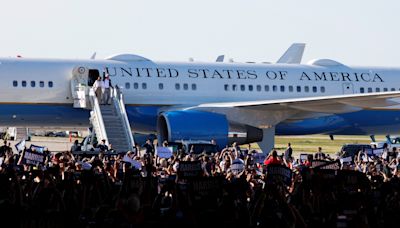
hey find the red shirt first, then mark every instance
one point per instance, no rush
(272, 161)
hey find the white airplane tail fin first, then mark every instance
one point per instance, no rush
(293, 54)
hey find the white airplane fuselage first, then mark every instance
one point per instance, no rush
(148, 86)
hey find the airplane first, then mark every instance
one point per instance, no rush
(227, 102)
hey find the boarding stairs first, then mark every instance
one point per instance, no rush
(109, 122)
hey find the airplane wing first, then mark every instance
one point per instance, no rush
(299, 108)
(328, 104)
(293, 54)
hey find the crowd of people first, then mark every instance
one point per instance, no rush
(230, 188)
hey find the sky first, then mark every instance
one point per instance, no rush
(353, 32)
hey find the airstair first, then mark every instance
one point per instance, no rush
(109, 122)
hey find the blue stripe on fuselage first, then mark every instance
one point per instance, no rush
(144, 119)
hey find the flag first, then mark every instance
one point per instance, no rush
(20, 145)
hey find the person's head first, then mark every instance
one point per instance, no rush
(288, 144)
(394, 149)
(99, 78)
(319, 149)
(274, 154)
(103, 141)
(76, 142)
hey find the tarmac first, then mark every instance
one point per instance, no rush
(54, 144)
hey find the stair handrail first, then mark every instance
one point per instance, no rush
(117, 94)
(99, 117)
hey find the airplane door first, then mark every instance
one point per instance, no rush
(79, 83)
(348, 88)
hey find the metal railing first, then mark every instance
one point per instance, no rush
(120, 105)
(100, 129)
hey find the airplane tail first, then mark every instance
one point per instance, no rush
(293, 54)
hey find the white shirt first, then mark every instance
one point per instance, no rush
(97, 84)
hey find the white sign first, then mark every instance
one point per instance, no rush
(164, 152)
(346, 160)
(133, 162)
(20, 145)
(237, 166)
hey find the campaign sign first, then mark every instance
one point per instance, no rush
(33, 158)
(189, 169)
(259, 158)
(303, 158)
(164, 152)
(279, 173)
(136, 164)
(315, 163)
(39, 149)
(346, 160)
(353, 180)
(207, 186)
(335, 165)
(20, 145)
(237, 166)
(374, 152)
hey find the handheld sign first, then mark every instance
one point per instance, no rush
(20, 145)
(259, 157)
(164, 152)
(207, 186)
(319, 164)
(134, 163)
(346, 160)
(237, 166)
(279, 173)
(33, 158)
(189, 169)
(39, 149)
(303, 158)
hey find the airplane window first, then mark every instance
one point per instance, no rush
(392, 89)
(250, 87)
(369, 90)
(290, 88)
(15, 83)
(282, 88)
(242, 87)
(377, 89)
(33, 83)
(136, 85)
(234, 87)
(185, 86)
(298, 88)
(266, 88)
(226, 86)
(362, 90)
(23, 83)
(314, 89)
(258, 88)
(50, 84)
(385, 89)
(41, 84)
(306, 89)
(127, 85)
(194, 87)
(322, 89)
(177, 86)
(144, 86)
(160, 86)
(274, 88)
